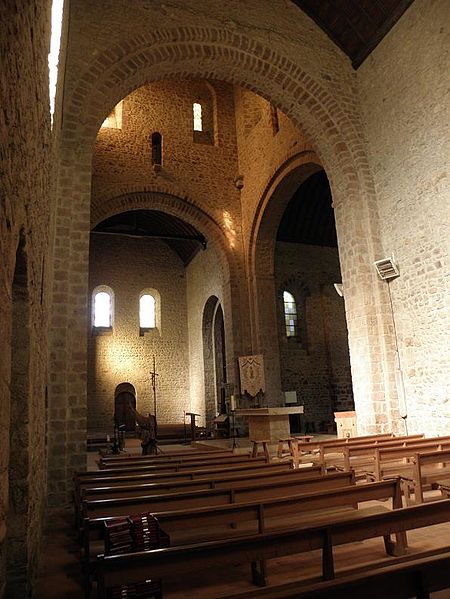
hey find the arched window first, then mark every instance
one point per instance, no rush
(198, 119)
(102, 312)
(147, 311)
(156, 149)
(290, 314)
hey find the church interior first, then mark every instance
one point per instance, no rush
(208, 209)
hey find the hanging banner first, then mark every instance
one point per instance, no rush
(251, 371)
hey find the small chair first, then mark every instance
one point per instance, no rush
(265, 445)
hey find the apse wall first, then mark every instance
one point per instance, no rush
(315, 363)
(406, 107)
(129, 266)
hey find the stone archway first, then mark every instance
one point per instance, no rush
(214, 363)
(124, 404)
(297, 87)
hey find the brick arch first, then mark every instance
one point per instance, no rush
(274, 200)
(210, 53)
(182, 208)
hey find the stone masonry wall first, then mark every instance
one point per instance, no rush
(406, 105)
(129, 266)
(122, 158)
(316, 363)
(267, 46)
(261, 149)
(204, 280)
(25, 191)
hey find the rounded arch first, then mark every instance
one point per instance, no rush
(124, 388)
(214, 361)
(277, 194)
(183, 208)
(203, 53)
(124, 406)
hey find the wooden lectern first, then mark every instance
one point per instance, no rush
(193, 427)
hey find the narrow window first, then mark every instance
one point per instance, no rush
(102, 309)
(147, 318)
(274, 119)
(290, 314)
(156, 149)
(55, 45)
(197, 111)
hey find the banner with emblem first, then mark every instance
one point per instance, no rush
(251, 371)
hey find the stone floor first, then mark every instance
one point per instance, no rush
(61, 574)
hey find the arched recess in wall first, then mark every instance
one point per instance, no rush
(264, 318)
(19, 442)
(214, 362)
(124, 404)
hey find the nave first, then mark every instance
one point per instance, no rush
(320, 494)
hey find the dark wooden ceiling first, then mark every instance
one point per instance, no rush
(356, 26)
(309, 216)
(182, 237)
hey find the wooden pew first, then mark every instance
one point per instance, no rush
(362, 457)
(228, 521)
(218, 555)
(310, 446)
(148, 460)
(227, 482)
(392, 461)
(418, 576)
(292, 484)
(427, 469)
(175, 465)
(340, 450)
(179, 456)
(98, 512)
(255, 468)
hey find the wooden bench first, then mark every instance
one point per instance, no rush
(337, 451)
(393, 461)
(265, 446)
(84, 480)
(216, 556)
(178, 461)
(98, 512)
(292, 484)
(414, 576)
(427, 469)
(363, 457)
(177, 456)
(309, 446)
(227, 482)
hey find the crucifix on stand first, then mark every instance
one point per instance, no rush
(154, 374)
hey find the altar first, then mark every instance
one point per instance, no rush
(269, 423)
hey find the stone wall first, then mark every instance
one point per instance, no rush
(25, 190)
(316, 362)
(406, 106)
(262, 150)
(123, 355)
(122, 157)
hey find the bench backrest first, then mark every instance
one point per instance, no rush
(227, 482)
(215, 556)
(122, 461)
(203, 498)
